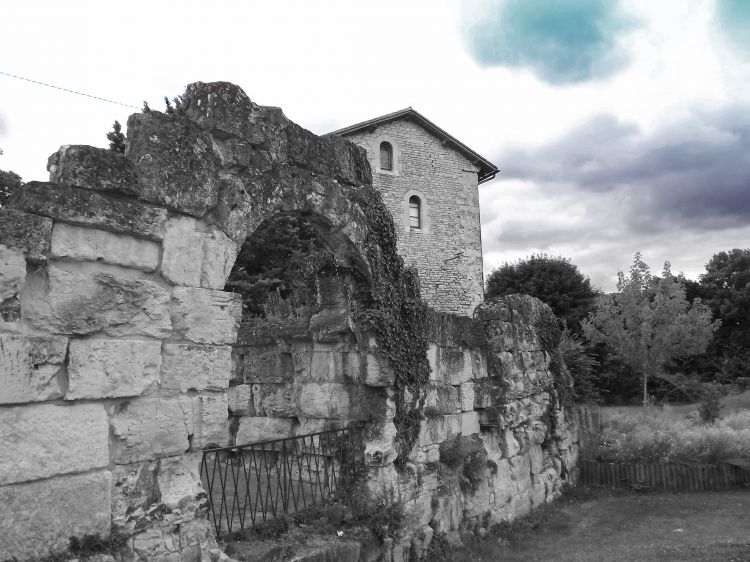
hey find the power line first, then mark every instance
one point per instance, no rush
(67, 90)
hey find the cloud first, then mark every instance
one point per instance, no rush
(607, 189)
(694, 172)
(561, 41)
(733, 17)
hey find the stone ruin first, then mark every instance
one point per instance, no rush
(122, 357)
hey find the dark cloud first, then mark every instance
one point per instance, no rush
(733, 17)
(694, 173)
(561, 41)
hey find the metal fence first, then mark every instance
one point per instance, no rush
(253, 483)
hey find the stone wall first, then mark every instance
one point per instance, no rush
(116, 337)
(447, 250)
(121, 357)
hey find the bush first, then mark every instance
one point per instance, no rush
(470, 456)
(656, 436)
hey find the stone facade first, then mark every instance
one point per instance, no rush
(121, 357)
(447, 248)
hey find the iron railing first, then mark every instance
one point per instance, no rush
(250, 484)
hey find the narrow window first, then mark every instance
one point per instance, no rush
(415, 220)
(386, 156)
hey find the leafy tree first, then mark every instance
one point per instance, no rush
(9, 182)
(552, 279)
(649, 322)
(725, 288)
(116, 138)
(280, 261)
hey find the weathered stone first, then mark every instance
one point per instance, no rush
(45, 440)
(195, 258)
(12, 272)
(174, 162)
(79, 243)
(382, 451)
(206, 316)
(469, 423)
(151, 427)
(441, 399)
(379, 372)
(38, 519)
(508, 444)
(211, 426)
(110, 368)
(277, 400)
(466, 396)
(241, 400)
(536, 459)
(333, 400)
(163, 492)
(29, 368)
(26, 232)
(267, 364)
(83, 303)
(254, 429)
(332, 362)
(84, 207)
(93, 168)
(188, 366)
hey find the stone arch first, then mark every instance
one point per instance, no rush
(116, 336)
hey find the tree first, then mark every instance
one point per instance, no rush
(649, 322)
(116, 138)
(9, 182)
(552, 279)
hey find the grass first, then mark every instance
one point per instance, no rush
(599, 525)
(664, 434)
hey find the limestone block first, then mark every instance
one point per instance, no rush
(502, 482)
(433, 353)
(536, 459)
(78, 243)
(277, 400)
(302, 353)
(83, 303)
(158, 543)
(12, 272)
(29, 368)
(189, 366)
(195, 258)
(432, 431)
(538, 494)
(179, 479)
(381, 450)
(111, 368)
(135, 492)
(379, 372)
(25, 232)
(470, 423)
(206, 316)
(267, 364)
(453, 425)
(334, 362)
(93, 168)
(151, 427)
(210, 419)
(478, 363)
(334, 400)
(455, 365)
(240, 398)
(254, 429)
(89, 208)
(466, 396)
(174, 160)
(441, 398)
(520, 470)
(38, 519)
(508, 444)
(46, 440)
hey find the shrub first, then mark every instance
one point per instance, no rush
(655, 436)
(470, 456)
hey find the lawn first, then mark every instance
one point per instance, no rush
(605, 526)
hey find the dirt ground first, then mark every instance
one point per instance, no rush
(603, 526)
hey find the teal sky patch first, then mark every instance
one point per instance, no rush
(561, 41)
(733, 17)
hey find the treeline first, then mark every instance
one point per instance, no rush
(658, 338)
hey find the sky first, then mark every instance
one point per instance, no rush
(618, 126)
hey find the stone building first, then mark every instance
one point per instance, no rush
(429, 182)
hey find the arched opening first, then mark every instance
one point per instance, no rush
(386, 156)
(415, 213)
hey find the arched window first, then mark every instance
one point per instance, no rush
(386, 156)
(415, 213)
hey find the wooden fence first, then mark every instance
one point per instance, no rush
(664, 476)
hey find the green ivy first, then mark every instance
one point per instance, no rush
(390, 306)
